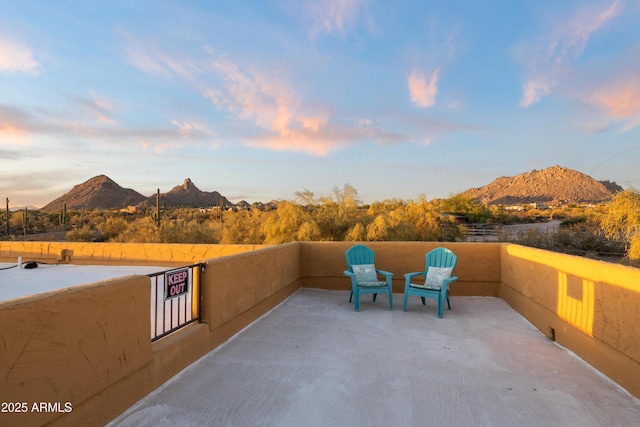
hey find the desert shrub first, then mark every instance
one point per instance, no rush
(621, 222)
(569, 222)
(112, 227)
(534, 238)
(84, 234)
(467, 206)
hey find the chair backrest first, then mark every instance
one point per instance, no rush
(440, 257)
(359, 254)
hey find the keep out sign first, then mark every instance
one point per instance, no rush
(177, 283)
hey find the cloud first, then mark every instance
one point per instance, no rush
(271, 103)
(423, 93)
(148, 57)
(99, 108)
(333, 16)
(550, 59)
(620, 100)
(533, 91)
(188, 128)
(12, 154)
(264, 110)
(15, 57)
(14, 125)
(19, 126)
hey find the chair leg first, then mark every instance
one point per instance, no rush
(440, 307)
(423, 301)
(448, 303)
(374, 296)
(351, 296)
(390, 300)
(406, 297)
(356, 301)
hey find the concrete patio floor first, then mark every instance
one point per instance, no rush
(313, 361)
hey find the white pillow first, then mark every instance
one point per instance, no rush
(365, 273)
(436, 275)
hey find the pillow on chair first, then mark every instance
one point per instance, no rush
(365, 273)
(435, 277)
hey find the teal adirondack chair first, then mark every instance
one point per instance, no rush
(364, 275)
(440, 263)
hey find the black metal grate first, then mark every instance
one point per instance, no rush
(174, 306)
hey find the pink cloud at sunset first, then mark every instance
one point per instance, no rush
(552, 55)
(620, 101)
(16, 57)
(423, 93)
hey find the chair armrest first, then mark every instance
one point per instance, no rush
(445, 284)
(385, 273)
(387, 276)
(411, 275)
(348, 273)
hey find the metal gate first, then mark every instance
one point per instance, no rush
(175, 299)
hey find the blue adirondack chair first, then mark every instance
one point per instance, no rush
(364, 275)
(440, 263)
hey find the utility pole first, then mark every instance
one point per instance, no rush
(24, 221)
(8, 228)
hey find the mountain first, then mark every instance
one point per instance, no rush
(99, 192)
(552, 186)
(188, 195)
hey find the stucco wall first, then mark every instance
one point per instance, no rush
(478, 266)
(67, 346)
(90, 345)
(237, 290)
(591, 307)
(118, 253)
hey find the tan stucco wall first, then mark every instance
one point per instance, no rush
(478, 266)
(90, 345)
(118, 253)
(591, 307)
(239, 289)
(68, 346)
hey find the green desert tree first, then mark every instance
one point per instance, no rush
(621, 221)
(336, 215)
(378, 229)
(357, 233)
(244, 227)
(290, 222)
(142, 230)
(426, 220)
(84, 234)
(112, 227)
(467, 206)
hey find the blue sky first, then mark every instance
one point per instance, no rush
(258, 100)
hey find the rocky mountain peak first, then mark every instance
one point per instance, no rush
(187, 185)
(99, 192)
(555, 185)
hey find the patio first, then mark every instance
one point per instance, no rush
(313, 361)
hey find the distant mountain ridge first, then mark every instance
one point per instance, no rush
(552, 186)
(101, 192)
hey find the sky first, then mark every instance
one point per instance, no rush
(260, 100)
